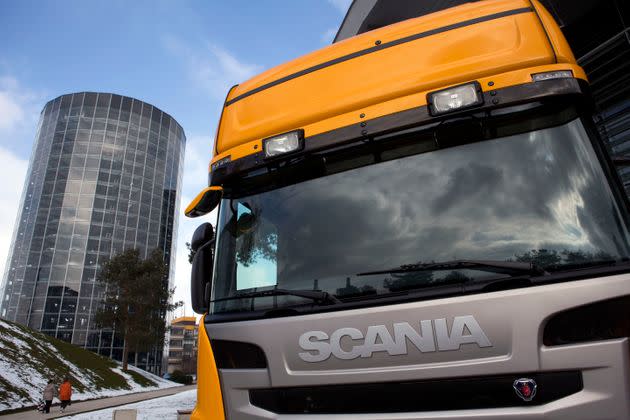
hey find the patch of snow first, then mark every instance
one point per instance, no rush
(157, 408)
(161, 382)
(23, 345)
(22, 377)
(21, 368)
(135, 387)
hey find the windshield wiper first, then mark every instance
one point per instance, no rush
(511, 268)
(578, 265)
(319, 297)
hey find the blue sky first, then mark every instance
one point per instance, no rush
(180, 56)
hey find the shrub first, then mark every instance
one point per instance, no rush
(180, 377)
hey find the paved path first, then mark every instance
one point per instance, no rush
(92, 405)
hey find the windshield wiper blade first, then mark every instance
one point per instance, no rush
(317, 296)
(512, 268)
(578, 265)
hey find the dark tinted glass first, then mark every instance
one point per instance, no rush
(540, 196)
(391, 11)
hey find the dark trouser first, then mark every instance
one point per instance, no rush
(47, 407)
(64, 404)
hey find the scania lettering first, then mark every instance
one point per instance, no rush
(378, 338)
(419, 221)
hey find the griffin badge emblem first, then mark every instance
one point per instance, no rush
(525, 388)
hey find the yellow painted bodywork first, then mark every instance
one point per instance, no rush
(204, 202)
(557, 39)
(209, 399)
(184, 322)
(505, 50)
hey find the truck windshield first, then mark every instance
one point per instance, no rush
(541, 196)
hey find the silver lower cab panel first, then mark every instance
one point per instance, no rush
(605, 365)
(605, 395)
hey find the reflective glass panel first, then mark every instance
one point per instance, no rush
(539, 196)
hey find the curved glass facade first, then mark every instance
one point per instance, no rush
(104, 176)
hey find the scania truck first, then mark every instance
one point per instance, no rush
(417, 222)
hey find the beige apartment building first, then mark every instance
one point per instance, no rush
(182, 345)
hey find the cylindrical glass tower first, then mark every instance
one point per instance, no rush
(105, 175)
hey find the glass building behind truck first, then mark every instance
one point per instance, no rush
(104, 176)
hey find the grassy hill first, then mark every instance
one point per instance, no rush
(28, 359)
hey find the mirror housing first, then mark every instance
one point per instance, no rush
(202, 235)
(202, 245)
(206, 201)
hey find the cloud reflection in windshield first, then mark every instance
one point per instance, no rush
(488, 200)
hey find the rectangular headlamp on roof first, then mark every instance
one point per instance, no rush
(558, 74)
(455, 98)
(282, 144)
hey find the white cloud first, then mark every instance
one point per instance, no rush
(19, 112)
(211, 67)
(198, 155)
(13, 171)
(10, 112)
(329, 35)
(182, 273)
(19, 107)
(341, 5)
(214, 70)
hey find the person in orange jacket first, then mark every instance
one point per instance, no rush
(65, 393)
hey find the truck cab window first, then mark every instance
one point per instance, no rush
(256, 249)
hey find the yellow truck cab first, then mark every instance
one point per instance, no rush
(417, 222)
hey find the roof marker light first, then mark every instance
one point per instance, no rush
(455, 98)
(284, 143)
(220, 163)
(559, 74)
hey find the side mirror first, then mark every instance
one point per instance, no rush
(202, 245)
(203, 234)
(206, 201)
